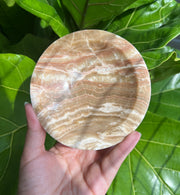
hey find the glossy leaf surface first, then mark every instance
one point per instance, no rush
(153, 166)
(155, 58)
(149, 27)
(15, 72)
(165, 99)
(87, 13)
(42, 9)
(168, 68)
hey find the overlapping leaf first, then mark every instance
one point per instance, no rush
(155, 58)
(162, 63)
(42, 9)
(90, 12)
(15, 71)
(165, 70)
(165, 99)
(149, 27)
(153, 166)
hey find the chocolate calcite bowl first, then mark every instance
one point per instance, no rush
(90, 89)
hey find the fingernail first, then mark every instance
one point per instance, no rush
(26, 103)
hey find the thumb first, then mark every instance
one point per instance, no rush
(35, 137)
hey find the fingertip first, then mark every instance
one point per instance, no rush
(35, 136)
(31, 116)
(28, 108)
(136, 134)
(26, 103)
(129, 142)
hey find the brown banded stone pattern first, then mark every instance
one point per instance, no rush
(90, 89)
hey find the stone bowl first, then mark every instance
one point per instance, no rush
(90, 89)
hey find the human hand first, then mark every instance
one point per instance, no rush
(64, 170)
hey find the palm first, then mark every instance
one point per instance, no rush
(63, 170)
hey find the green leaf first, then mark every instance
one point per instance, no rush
(168, 68)
(138, 3)
(162, 63)
(153, 166)
(149, 27)
(32, 46)
(88, 13)
(9, 3)
(3, 42)
(155, 58)
(62, 12)
(15, 72)
(178, 53)
(42, 9)
(165, 97)
(15, 22)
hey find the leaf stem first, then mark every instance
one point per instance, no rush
(83, 14)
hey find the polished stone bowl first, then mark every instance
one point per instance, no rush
(90, 89)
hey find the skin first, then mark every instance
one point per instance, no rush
(64, 170)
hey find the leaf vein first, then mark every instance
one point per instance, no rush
(149, 164)
(166, 104)
(160, 143)
(140, 25)
(169, 169)
(165, 91)
(41, 13)
(127, 24)
(14, 89)
(131, 176)
(9, 157)
(7, 120)
(14, 131)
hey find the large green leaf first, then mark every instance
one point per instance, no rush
(153, 166)
(87, 13)
(42, 9)
(62, 12)
(168, 68)
(157, 57)
(149, 27)
(165, 99)
(162, 63)
(15, 71)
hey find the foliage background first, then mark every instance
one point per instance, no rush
(28, 27)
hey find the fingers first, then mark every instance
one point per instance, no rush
(113, 160)
(35, 137)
